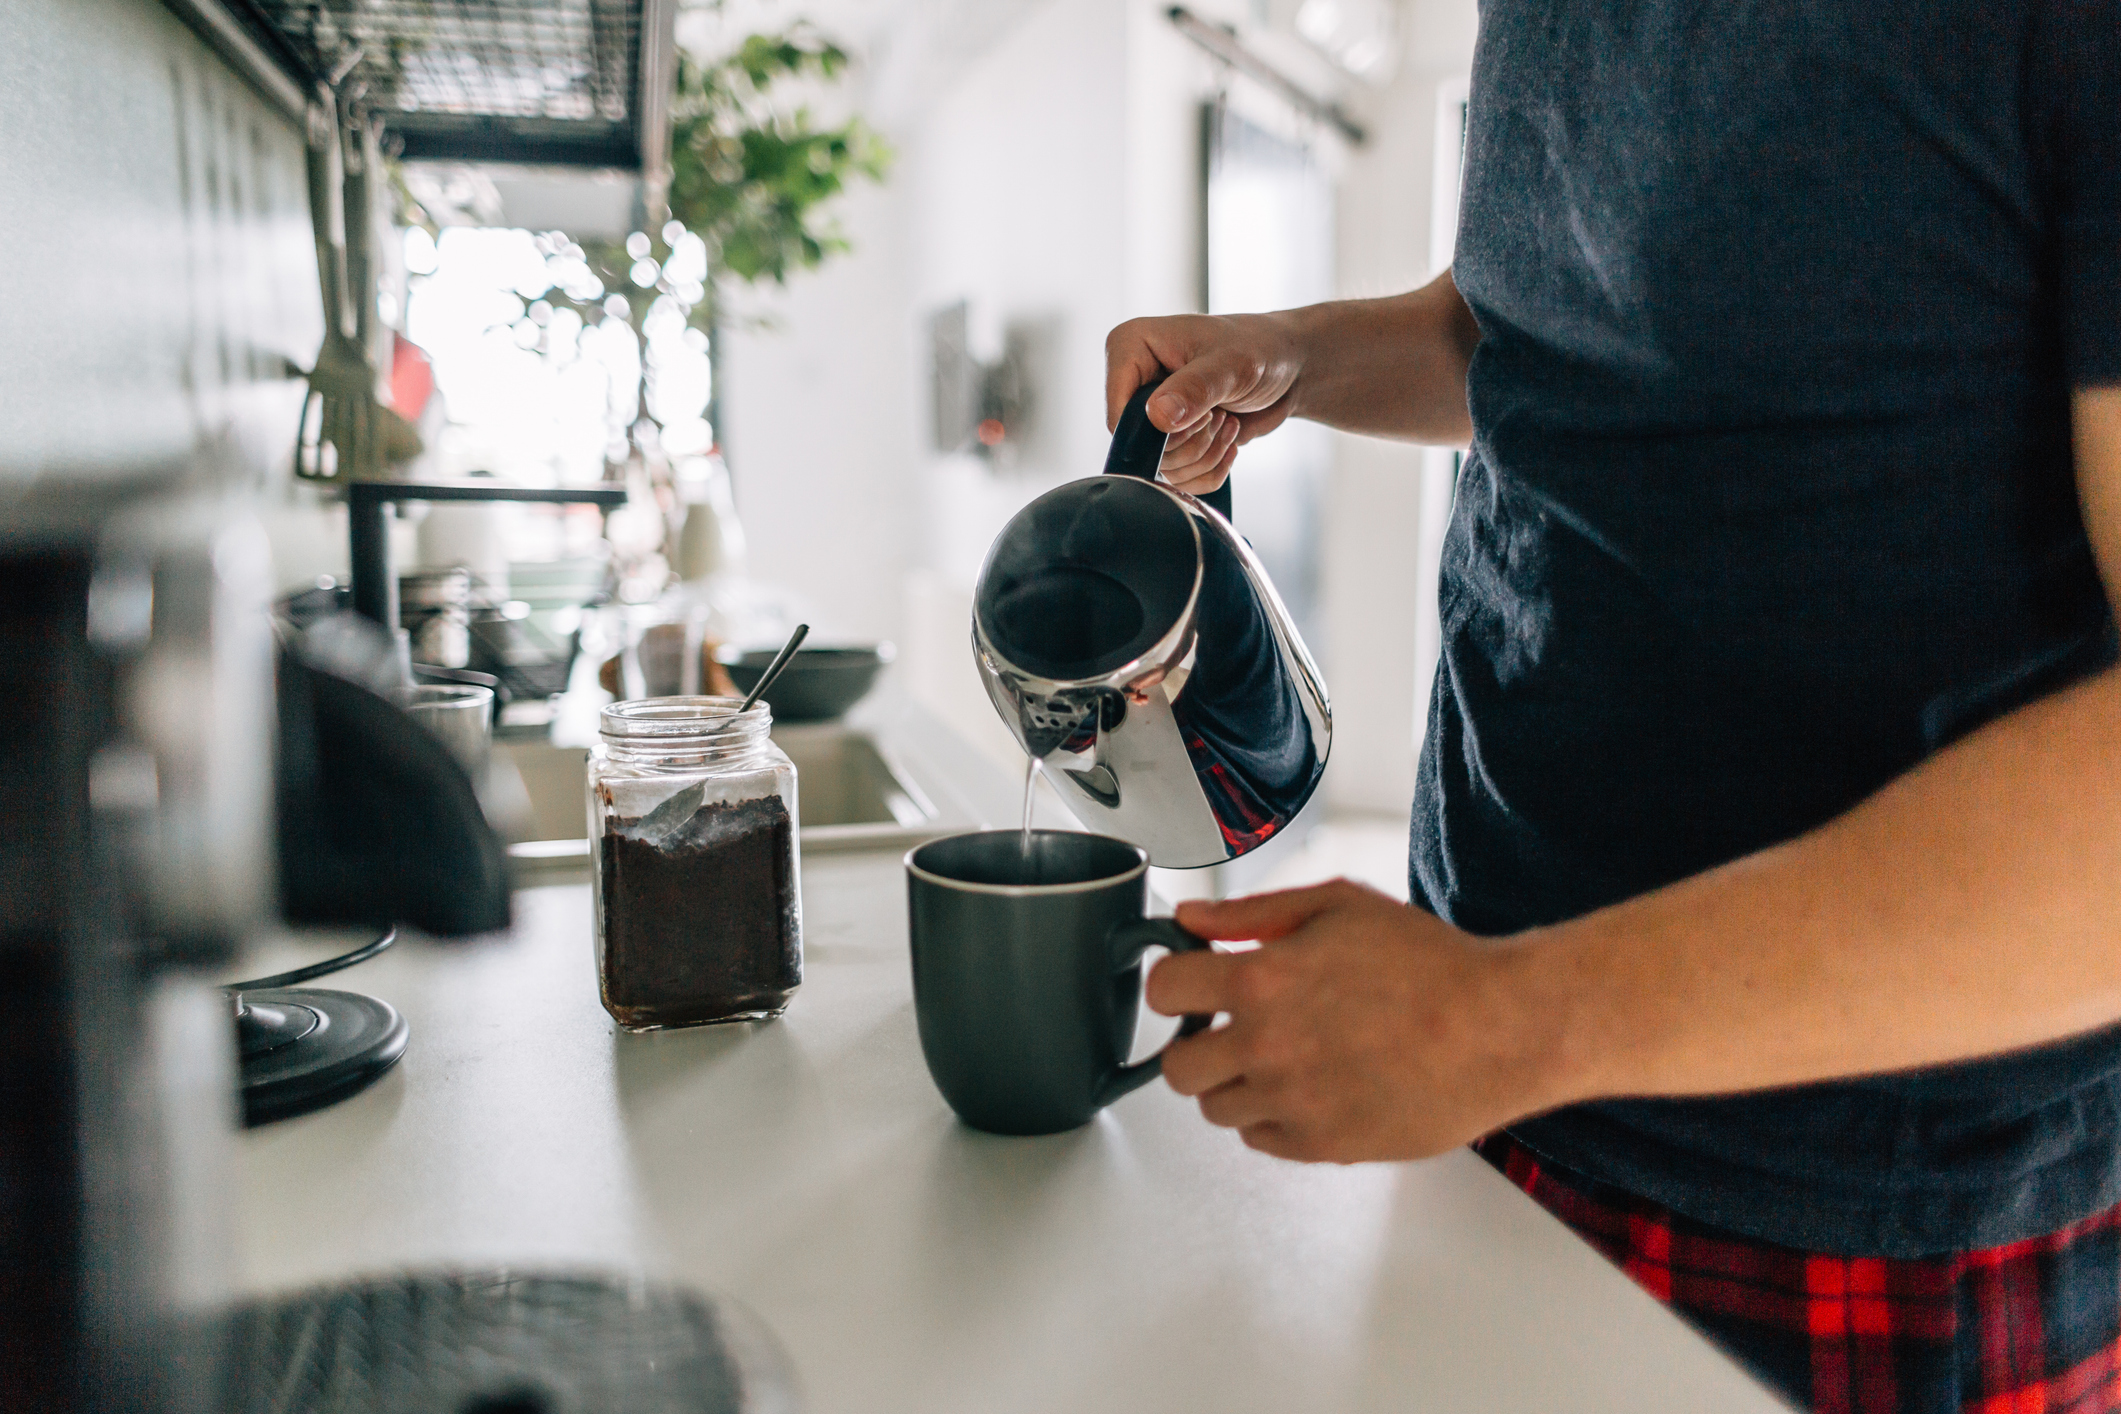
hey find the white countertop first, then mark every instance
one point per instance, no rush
(810, 1169)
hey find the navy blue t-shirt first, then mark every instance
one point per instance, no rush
(1770, 497)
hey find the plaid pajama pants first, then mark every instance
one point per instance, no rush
(2029, 1328)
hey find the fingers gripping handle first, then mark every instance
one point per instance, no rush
(1138, 446)
(1129, 942)
(1137, 443)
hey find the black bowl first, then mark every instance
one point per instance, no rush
(817, 685)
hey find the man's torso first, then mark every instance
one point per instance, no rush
(1770, 497)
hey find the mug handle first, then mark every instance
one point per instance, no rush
(1129, 941)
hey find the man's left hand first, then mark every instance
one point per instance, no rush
(1361, 1028)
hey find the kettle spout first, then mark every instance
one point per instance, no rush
(1057, 725)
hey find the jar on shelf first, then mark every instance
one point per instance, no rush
(692, 828)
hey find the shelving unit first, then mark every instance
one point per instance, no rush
(580, 83)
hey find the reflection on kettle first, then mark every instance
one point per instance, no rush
(1134, 644)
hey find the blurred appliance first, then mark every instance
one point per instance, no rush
(378, 824)
(135, 673)
(144, 401)
(1133, 643)
(153, 386)
(137, 774)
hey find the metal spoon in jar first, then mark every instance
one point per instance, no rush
(659, 824)
(774, 668)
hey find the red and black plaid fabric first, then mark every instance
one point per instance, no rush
(2030, 1328)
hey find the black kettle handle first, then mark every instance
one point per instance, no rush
(1138, 445)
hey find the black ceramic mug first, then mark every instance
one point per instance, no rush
(1027, 974)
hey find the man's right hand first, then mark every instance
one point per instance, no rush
(1234, 379)
(1392, 367)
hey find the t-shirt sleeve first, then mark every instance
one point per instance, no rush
(2076, 107)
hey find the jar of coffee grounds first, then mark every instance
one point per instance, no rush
(692, 820)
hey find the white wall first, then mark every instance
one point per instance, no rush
(1019, 187)
(819, 407)
(1056, 182)
(1383, 511)
(1019, 180)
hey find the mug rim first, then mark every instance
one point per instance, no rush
(1140, 867)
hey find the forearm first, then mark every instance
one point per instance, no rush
(1972, 906)
(1393, 367)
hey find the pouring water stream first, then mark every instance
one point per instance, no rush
(1031, 770)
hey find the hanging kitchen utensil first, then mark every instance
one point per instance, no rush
(344, 406)
(1133, 643)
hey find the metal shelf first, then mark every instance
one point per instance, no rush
(548, 82)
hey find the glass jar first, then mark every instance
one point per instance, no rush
(692, 820)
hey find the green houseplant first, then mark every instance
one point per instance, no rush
(750, 178)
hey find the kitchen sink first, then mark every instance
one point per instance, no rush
(852, 792)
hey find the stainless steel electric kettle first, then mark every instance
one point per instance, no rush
(1133, 643)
